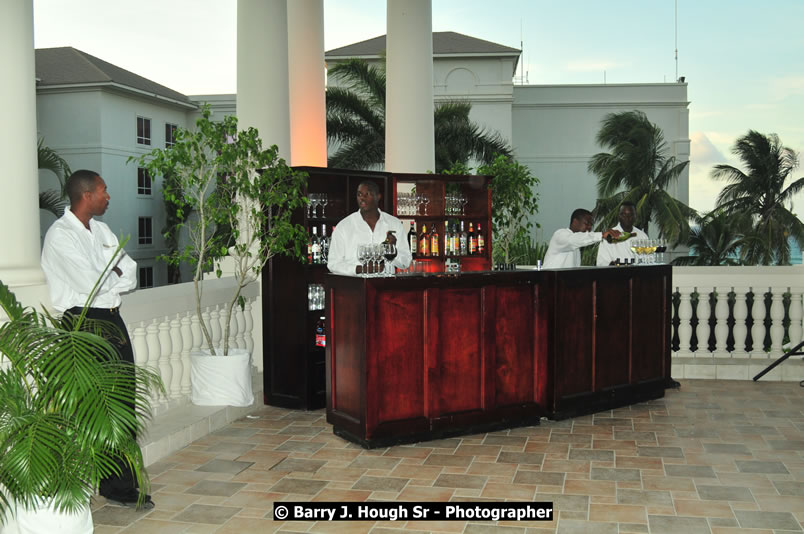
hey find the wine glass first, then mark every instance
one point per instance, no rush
(463, 200)
(323, 200)
(389, 251)
(377, 252)
(362, 257)
(313, 200)
(425, 201)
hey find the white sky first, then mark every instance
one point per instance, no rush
(743, 60)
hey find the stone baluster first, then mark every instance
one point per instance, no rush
(758, 329)
(176, 343)
(740, 330)
(188, 343)
(213, 318)
(703, 312)
(796, 330)
(241, 327)
(223, 317)
(721, 324)
(684, 326)
(165, 349)
(777, 321)
(138, 343)
(249, 332)
(152, 340)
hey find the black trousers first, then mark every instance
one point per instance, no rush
(116, 485)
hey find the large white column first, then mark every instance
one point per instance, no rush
(409, 138)
(308, 123)
(262, 70)
(19, 181)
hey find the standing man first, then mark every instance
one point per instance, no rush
(367, 225)
(76, 251)
(608, 253)
(565, 245)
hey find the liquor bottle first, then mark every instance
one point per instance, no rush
(316, 247)
(464, 240)
(447, 239)
(481, 242)
(320, 333)
(456, 240)
(424, 242)
(310, 249)
(472, 241)
(413, 239)
(434, 238)
(324, 244)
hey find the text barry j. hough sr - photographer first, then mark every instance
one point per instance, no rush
(413, 511)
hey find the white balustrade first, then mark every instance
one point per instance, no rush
(735, 286)
(164, 329)
(684, 316)
(740, 330)
(721, 318)
(702, 330)
(758, 329)
(777, 316)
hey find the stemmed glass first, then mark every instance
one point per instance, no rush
(424, 201)
(463, 200)
(363, 257)
(389, 251)
(312, 198)
(323, 200)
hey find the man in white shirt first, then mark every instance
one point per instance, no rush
(608, 253)
(76, 251)
(367, 225)
(564, 250)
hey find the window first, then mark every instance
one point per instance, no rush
(170, 135)
(146, 235)
(143, 131)
(143, 181)
(146, 277)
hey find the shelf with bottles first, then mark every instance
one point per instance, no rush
(447, 238)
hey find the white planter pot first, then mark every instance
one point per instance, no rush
(46, 520)
(221, 380)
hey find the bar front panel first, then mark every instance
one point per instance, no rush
(612, 333)
(456, 357)
(513, 347)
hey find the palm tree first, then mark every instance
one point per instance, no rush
(761, 193)
(356, 123)
(716, 240)
(638, 169)
(52, 200)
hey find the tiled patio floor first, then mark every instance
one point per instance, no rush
(714, 456)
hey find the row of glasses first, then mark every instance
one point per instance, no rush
(370, 255)
(454, 203)
(411, 204)
(316, 200)
(647, 250)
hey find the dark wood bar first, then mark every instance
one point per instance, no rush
(411, 358)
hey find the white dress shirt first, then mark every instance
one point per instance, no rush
(73, 259)
(608, 252)
(564, 249)
(353, 231)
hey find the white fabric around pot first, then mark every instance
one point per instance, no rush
(46, 520)
(221, 380)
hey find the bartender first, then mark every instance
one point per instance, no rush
(564, 250)
(367, 225)
(609, 253)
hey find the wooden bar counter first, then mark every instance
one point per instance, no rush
(418, 357)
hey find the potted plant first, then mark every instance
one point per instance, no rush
(64, 417)
(239, 198)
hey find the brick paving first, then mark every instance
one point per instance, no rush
(712, 457)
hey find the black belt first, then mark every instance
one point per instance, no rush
(110, 311)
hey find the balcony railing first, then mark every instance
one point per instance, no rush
(164, 329)
(732, 322)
